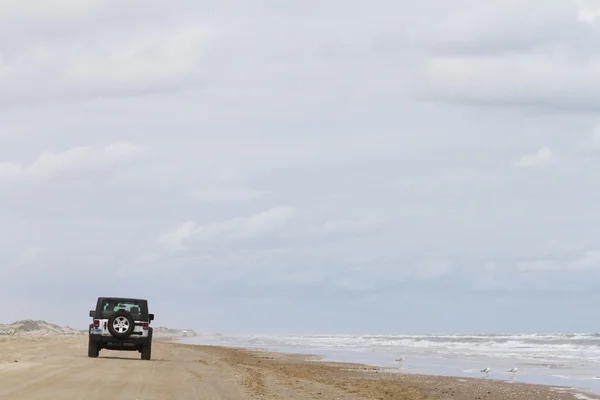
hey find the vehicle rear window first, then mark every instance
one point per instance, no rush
(108, 306)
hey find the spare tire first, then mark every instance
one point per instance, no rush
(121, 324)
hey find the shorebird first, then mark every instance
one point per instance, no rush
(486, 371)
(514, 370)
(400, 360)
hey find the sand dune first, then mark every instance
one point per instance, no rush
(33, 328)
(30, 327)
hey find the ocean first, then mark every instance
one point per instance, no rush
(557, 359)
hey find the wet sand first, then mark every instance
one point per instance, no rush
(58, 368)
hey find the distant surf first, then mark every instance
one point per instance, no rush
(565, 359)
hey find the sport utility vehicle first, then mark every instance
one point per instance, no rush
(120, 324)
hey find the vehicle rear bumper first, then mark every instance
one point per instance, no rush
(128, 343)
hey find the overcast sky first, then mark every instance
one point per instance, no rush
(303, 166)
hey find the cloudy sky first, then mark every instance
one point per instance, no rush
(303, 166)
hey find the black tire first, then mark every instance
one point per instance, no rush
(93, 350)
(146, 352)
(128, 317)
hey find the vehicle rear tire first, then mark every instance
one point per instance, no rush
(93, 350)
(146, 352)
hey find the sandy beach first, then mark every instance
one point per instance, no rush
(58, 368)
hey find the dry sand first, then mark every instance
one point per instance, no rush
(58, 368)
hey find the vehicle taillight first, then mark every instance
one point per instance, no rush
(96, 323)
(145, 326)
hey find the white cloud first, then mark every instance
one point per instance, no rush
(230, 194)
(107, 60)
(4, 69)
(540, 159)
(50, 164)
(28, 256)
(48, 10)
(524, 79)
(227, 185)
(341, 226)
(547, 58)
(538, 269)
(174, 240)
(588, 13)
(228, 175)
(589, 261)
(539, 266)
(487, 277)
(596, 137)
(146, 61)
(433, 269)
(246, 227)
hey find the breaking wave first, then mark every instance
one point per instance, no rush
(541, 347)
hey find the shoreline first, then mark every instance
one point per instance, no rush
(440, 386)
(430, 365)
(39, 368)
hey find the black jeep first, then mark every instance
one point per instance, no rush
(120, 324)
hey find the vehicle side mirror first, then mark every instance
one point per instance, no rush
(92, 313)
(151, 317)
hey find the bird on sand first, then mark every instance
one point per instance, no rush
(487, 370)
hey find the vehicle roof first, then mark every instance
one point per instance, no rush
(121, 298)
